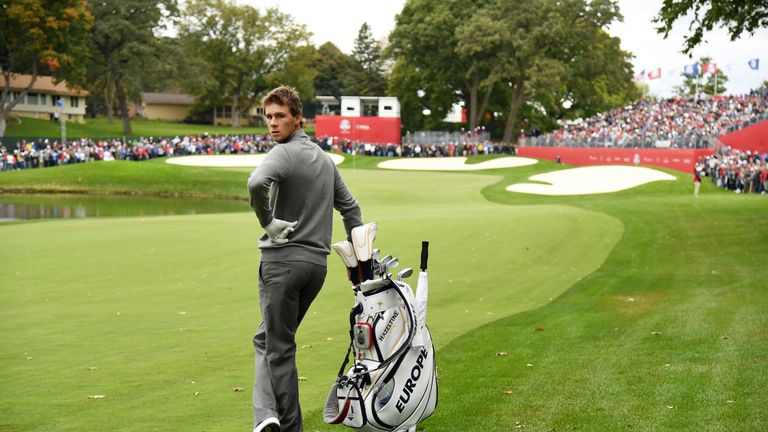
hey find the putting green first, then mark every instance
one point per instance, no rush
(156, 314)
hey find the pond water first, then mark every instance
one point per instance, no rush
(65, 206)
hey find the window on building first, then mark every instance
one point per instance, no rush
(32, 99)
(74, 101)
(55, 100)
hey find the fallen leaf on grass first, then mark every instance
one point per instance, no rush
(507, 392)
(501, 354)
(656, 333)
(724, 337)
(539, 329)
(181, 313)
(529, 365)
(97, 396)
(306, 346)
(196, 394)
(671, 406)
(93, 368)
(301, 378)
(729, 401)
(237, 389)
(329, 339)
(29, 358)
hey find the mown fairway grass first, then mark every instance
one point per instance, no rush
(164, 307)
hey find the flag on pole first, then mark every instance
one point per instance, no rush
(691, 70)
(640, 76)
(709, 67)
(754, 64)
(654, 74)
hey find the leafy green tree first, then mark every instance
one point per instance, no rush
(738, 16)
(299, 73)
(123, 46)
(427, 72)
(500, 55)
(543, 44)
(241, 48)
(710, 82)
(367, 78)
(598, 76)
(41, 36)
(333, 68)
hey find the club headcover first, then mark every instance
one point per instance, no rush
(362, 240)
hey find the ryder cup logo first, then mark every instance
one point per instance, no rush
(345, 125)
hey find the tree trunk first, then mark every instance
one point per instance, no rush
(110, 102)
(473, 87)
(109, 99)
(514, 107)
(484, 104)
(123, 102)
(236, 111)
(5, 110)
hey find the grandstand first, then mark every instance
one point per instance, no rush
(672, 132)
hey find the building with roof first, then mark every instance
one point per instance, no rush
(178, 106)
(46, 99)
(165, 106)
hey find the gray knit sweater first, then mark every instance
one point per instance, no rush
(297, 181)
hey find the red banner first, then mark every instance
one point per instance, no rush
(752, 138)
(676, 159)
(374, 130)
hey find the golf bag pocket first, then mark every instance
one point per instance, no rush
(362, 335)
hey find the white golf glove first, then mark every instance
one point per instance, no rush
(278, 230)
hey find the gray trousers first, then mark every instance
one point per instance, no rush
(286, 289)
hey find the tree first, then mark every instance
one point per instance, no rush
(697, 80)
(299, 73)
(367, 77)
(123, 47)
(241, 48)
(427, 72)
(41, 36)
(333, 68)
(540, 43)
(738, 16)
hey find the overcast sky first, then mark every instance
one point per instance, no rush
(338, 21)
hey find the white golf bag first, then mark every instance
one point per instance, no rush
(392, 383)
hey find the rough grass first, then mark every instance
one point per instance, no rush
(99, 128)
(164, 307)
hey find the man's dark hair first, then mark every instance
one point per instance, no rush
(285, 96)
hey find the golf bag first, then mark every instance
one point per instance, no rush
(392, 383)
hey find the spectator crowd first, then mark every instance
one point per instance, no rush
(735, 170)
(675, 122)
(447, 149)
(47, 153)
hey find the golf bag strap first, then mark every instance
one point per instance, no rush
(346, 360)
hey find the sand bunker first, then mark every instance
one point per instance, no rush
(231, 161)
(453, 164)
(590, 180)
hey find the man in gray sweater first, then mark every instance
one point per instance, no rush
(293, 193)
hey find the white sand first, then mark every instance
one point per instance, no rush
(453, 164)
(590, 180)
(230, 161)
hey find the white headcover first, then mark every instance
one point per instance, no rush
(346, 253)
(362, 240)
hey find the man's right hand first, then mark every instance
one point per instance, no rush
(278, 230)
